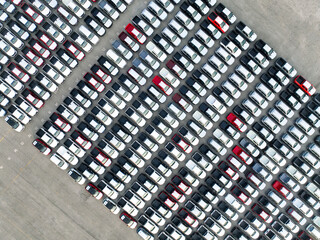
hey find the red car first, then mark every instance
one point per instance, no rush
(135, 33)
(229, 171)
(177, 139)
(304, 236)
(60, 122)
(38, 61)
(128, 41)
(94, 82)
(305, 85)
(16, 71)
(218, 22)
(176, 69)
(74, 50)
(101, 74)
(17, 2)
(81, 140)
(175, 193)
(241, 196)
(168, 201)
(188, 218)
(101, 157)
(235, 121)
(32, 98)
(242, 155)
(45, 53)
(182, 102)
(94, 191)
(185, 188)
(52, 45)
(162, 85)
(261, 213)
(127, 219)
(41, 146)
(282, 190)
(32, 13)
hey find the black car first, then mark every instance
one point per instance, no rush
(270, 82)
(101, 17)
(277, 75)
(310, 117)
(183, 61)
(161, 43)
(290, 100)
(262, 131)
(233, 36)
(219, 9)
(186, 8)
(204, 149)
(315, 108)
(316, 98)
(265, 49)
(209, 28)
(192, 83)
(310, 199)
(245, 61)
(297, 92)
(203, 79)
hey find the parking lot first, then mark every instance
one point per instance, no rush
(41, 202)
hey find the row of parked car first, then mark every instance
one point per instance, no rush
(176, 191)
(39, 53)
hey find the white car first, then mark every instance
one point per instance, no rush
(94, 39)
(119, 61)
(269, 164)
(304, 126)
(7, 90)
(171, 36)
(78, 11)
(67, 155)
(234, 203)
(5, 47)
(284, 108)
(244, 73)
(217, 146)
(156, 51)
(105, 6)
(196, 169)
(128, 207)
(259, 142)
(175, 82)
(222, 138)
(302, 207)
(157, 10)
(216, 104)
(218, 64)
(21, 116)
(150, 18)
(202, 120)
(59, 161)
(291, 142)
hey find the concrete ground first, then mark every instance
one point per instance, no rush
(39, 201)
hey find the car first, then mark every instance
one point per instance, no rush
(269, 164)
(173, 232)
(217, 21)
(161, 208)
(246, 144)
(195, 168)
(222, 138)
(155, 134)
(175, 151)
(39, 90)
(135, 33)
(265, 49)
(241, 196)
(270, 124)
(244, 184)
(183, 19)
(286, 67)
(81, 140)
(236, 122)
(300, 164)
(258, 57)
(296, 216)
(150, 18)
(282, 190)
(107, 8)
(286, 152)
(309, 199)
(178, 140)
(291, 142)
(287, 222)
(168, 201)
(302, 207)
(236, 163)
(247, 228)
(237, 39)
(250, 64)
(290, 100)
(228, 170)
(196, 86)
(263, 132)
(157, 10)
(284, 108)
(38, 143)
(256, 139)
(188, 218)
(202, 120)
(127, 206)
(225, 13)
(94, 191)
(36, 17)
(231, 47)
(11, 38)
(79, 55)
(189, 136)
(127, 219)
(53, 32)
(244, 30)
(243, 114)
(261, 213)
(305, 85)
